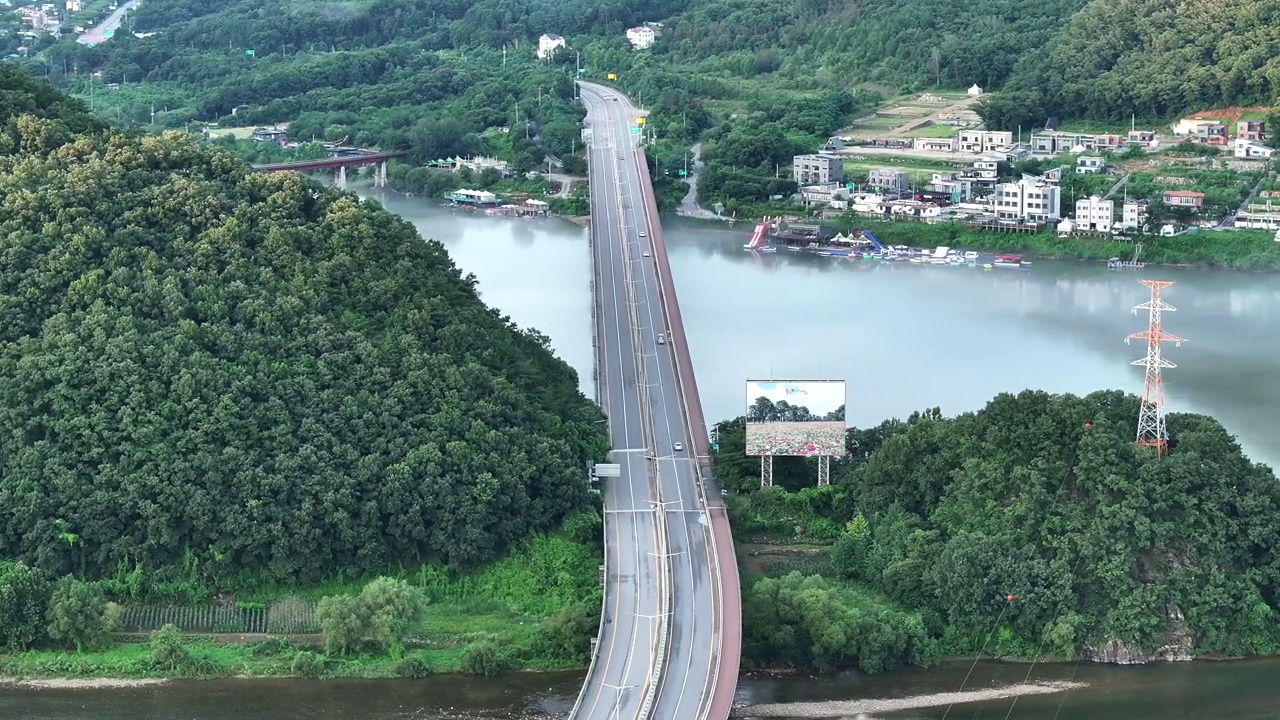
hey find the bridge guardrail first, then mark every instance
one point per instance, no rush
(596, 314)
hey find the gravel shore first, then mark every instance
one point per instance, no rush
(79, 683)
(846, 708)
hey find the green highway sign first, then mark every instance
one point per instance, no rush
(635, 131)
(683, 173)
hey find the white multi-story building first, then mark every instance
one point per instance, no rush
(1133, 215)
(1093, 214)
(641, 37)
(1031, 199)
(548, 44)
(74, 6)
(983, 141)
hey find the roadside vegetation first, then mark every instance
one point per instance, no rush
(252, 399)
(1035, 521)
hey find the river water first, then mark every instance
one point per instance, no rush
(905, 337)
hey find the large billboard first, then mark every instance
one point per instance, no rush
(795, 417)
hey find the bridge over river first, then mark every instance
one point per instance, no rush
(670, 630)
(339, 165)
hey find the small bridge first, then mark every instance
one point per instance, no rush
(340, 165)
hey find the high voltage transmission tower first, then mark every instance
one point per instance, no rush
(1151, 427)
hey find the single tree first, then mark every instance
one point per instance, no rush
(78, 614)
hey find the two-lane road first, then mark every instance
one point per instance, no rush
(623, 230)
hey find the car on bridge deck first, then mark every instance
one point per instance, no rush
(678, 447)
(646, 253)
(642, 234)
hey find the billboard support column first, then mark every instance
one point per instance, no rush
(766, 471)
(824, 470)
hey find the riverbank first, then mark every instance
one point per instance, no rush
(534, 610)
(1249, 250)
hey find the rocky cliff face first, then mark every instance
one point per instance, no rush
(1120, 652)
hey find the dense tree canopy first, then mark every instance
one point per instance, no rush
(1152, 58)
(1046, 499)
(210, 368)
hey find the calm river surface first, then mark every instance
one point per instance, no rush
(905, 338)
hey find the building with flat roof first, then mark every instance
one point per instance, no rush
(889, 179)
(1133, 215)
(817, 169)
(1030, 199)
(1093, 214)
(983, 141)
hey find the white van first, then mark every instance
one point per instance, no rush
(662, 339)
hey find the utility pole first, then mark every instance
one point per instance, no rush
(1151, 426)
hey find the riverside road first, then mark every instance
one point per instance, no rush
(669, 635)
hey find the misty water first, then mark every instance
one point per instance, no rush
(904, 337)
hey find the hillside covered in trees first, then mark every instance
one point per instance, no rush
(1036, 519)
(1152, 58)
(327, 65)
(217, 373)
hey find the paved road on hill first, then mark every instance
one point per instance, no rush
(664, 661)
(98, 35)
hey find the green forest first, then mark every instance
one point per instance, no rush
(218, 378)
(770, 78)
(1149, 58)
(1036, 521)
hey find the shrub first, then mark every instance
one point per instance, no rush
(343, 622)
(414, 667)
(485, 658)
(272, 647)
(391, 607)
(168, 653)
(308, 665)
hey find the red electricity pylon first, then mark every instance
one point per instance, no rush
(1151, 429)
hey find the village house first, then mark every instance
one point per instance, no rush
(985, 173)
(1252, 130)
(1090, 165)
(1251, 150)
(983, 141)
(1202, 130)
(817, 169)
(548, 44)
(1133, 215)
(1030, 199)
(641, 37)
(1184, 198)
(957, 188)
(1093, 214)
(889, 179)
(935, 144)
(1142, 138)
(1052, 142)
